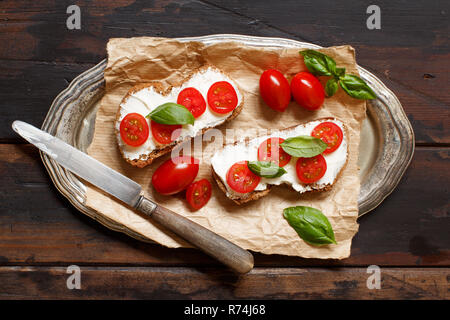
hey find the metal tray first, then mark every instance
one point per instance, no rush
(387, 138)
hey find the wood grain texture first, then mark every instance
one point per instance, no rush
(410, 53)
(41, 233)
(188, 283)
(410, 228)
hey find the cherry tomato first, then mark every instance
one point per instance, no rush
(175, 175)
(241, 179)
(134, 129)
(165, 133)
(274, 89)
(198, 193)
(193, 100)
(307, 91)
(310, 170)
(270, 150)
(222, 97)
(330, 133)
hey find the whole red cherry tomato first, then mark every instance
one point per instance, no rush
(175, 175)
(307, 91)
(274, 89)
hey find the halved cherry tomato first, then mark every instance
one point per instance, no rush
(198, 193)
(274, 89)
(134, 129)
(165, 133)
(175, 175)
(222, 97)
(307, 91)
(193, 100)
(241, 179)
(330, 133)
(270, 150)
(310, 170)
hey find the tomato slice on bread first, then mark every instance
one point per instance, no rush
(165, 133)
(330, 133)
(241, 179)
(270, 150)
(193, 100)
(134, 129)
(310, 170)
(222, 97)
(198, 193)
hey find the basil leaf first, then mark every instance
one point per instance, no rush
(339, 72)
(331, 87)
(355, 87)
(303, 146)
(265, 169)
(171, 113)
(310, 224)
(319, 63)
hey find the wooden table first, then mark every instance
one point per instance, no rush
(41, 234)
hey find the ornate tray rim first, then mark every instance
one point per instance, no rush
(91, 81)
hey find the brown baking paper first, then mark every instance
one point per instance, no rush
(258, 225)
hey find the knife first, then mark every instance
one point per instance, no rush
(129, 192)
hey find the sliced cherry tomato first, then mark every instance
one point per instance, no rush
(307, 91)
(270, 150)
(193, 100)
(222, 97)
(310, 170)
(330, 133)
(274, 89)
(134, 129)
(241, 179)
(165, 133)
(198, 193)
(175, 175)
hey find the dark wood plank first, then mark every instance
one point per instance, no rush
(410, 53)
(39, 226)
(28, 90)
(187, 283)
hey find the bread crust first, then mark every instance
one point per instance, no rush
(255, 195)
(146, 159)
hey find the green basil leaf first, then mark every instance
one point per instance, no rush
(310, 224)
(171, 113)
(265, 169)
(340, 72)
(303, 146)
(331, 87)
(355, 87)
(319, 63)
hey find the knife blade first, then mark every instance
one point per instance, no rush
(84, 166)
(129, 192)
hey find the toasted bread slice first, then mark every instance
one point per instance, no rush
(247, 150)
(143, 98)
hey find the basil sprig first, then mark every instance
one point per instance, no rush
(265, 169)
(310, 224)
(171, 113)
(303, 146)
(322, 65)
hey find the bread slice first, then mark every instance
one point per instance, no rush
(336, 163)
(144, 155)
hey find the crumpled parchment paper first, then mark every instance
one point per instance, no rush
(258, 225)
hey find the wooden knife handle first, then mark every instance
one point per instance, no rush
(211, 243)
